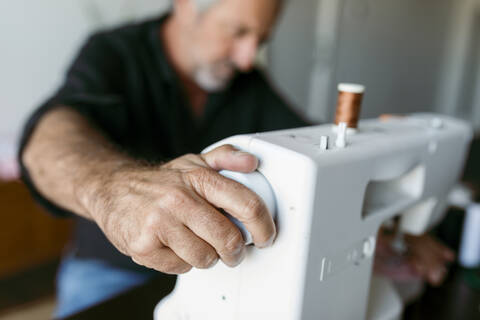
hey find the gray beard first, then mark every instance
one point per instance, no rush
(206, 80)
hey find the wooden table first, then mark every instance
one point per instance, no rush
(29, 237)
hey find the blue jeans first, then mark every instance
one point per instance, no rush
(82, 283)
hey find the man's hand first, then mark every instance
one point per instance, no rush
(167, 217)
(425, 257)
(429, 257)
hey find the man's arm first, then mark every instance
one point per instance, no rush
(66, 158)
(165, 217)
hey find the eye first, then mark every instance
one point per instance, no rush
(240, 32)
(263, 40)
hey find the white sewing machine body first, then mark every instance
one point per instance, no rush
(330, 205)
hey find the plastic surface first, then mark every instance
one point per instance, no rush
(330, 205)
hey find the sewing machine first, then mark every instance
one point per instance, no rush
(332, 188)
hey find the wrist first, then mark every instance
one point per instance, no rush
(95, 186)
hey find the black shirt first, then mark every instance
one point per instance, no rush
(122, 82)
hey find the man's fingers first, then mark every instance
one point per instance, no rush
(388, 116)
(448, 254)
(441, 249)
(164, 260)
(428, 262)
(190, 248)
(226, 157)
(237, 200)
(427, 244)
(216, 229)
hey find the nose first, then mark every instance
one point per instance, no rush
(244, 53)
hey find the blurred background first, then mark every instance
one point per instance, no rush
(412, 55)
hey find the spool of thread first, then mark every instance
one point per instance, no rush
(349, 103)
(469, 255)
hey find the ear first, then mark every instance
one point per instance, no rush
(185, 10)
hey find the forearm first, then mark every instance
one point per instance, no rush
(68, 160)
(164, 217)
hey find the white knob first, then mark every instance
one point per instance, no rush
(256, 182)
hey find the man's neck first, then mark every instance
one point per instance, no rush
(176, 52)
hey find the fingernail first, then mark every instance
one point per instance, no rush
(240, 153)
(213, 263)
(267, 244)
(240, 256)
(437, 275)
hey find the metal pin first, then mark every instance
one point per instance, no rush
(341, 141)
(323, 142)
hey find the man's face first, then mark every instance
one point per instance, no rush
(226, 38)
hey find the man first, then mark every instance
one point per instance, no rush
(117, 147)
(114, 146)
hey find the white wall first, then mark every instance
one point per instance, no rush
(38, 39)
(412, 55)
(460, 85)
(397, 47)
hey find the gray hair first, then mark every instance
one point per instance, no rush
(201, 5)
(204, 5)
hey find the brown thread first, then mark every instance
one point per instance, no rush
(349, 105)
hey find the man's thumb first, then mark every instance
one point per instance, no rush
(227, 157)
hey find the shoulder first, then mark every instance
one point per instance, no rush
(130, 35)
(115, 48)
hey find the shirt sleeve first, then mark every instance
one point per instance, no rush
(277, 114)
(91, 88)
